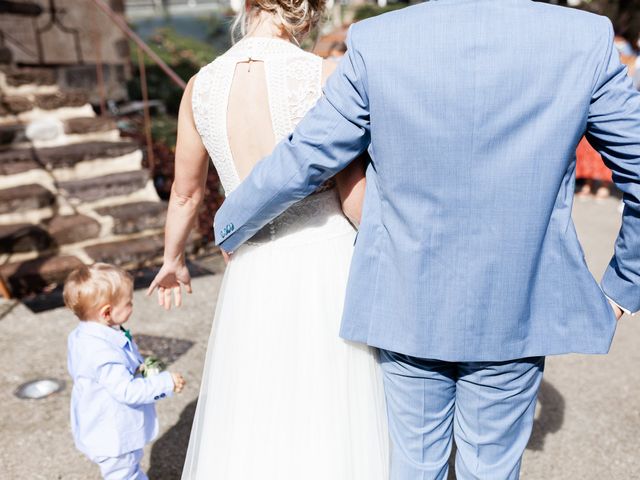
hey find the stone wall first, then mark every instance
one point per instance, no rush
(71, 190)
(70, 37)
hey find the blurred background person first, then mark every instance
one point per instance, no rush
(337, 51)
(590, 169)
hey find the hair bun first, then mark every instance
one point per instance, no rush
(298, 17)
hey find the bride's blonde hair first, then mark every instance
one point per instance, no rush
(297, 17)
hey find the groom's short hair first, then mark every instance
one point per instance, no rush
(89, 288)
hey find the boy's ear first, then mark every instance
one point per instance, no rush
(105, 312)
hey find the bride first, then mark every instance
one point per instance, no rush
(282, 396)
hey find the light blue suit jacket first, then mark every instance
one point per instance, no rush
(471, 110)
(112, 407)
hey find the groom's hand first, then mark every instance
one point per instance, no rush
(616, 309)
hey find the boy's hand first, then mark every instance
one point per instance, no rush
(178, 382)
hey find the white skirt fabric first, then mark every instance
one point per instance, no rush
(282, 396)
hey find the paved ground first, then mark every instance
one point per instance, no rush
(587, 426)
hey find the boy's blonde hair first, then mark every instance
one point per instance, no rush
(89, 288)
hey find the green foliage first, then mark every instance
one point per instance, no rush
(370, 10)
(175, 49)
(217, 27)
(183, 54)
(164, 130)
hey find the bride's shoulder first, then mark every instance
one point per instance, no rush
(328, 67)
(212, 64)
(203, 81)
(207, 72)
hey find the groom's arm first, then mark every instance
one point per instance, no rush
(330, 136)
(613, 128)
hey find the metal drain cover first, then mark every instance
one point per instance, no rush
(40, 388)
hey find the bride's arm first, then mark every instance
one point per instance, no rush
(351, 181)
(187, 193)
(351, 185)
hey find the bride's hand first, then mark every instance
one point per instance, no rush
(169, 279)
(616, 309)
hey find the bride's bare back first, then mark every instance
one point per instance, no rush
(249, 125)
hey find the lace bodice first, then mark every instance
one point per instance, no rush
(293, 79)
(294, 84)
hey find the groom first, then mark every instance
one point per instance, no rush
(467, 270)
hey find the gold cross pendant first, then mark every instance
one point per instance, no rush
(249, 61)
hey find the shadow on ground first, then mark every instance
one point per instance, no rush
(550, 418)
(170, 450)
(51, 298)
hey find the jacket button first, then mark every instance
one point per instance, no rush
(156, 398)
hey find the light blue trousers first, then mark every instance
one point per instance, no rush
(487, 407)
(124, 467)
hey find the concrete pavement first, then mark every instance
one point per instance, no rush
(587, 425)
(588, 419)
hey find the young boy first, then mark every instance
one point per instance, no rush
(112, 406)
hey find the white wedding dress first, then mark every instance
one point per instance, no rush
(282, 396)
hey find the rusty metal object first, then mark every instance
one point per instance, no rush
(147, 116)
(4, 290)
(122, 25)
(97, 40)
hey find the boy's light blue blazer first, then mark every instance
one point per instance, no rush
(471, 110)
(112, 408)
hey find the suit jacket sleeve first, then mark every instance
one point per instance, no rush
(613, 128)
(330, 136)
(128, 389)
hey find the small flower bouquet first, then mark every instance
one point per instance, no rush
(152, 366)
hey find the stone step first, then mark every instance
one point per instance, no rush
(92, 189)
(67, 229)
(76, 130)
(24, 237)
(58, 231)
(53, 101)
(20, 104)
(136, 217)
(33, 276)
(78, 126)
(17, 160)
(129, 253)
(30, 76)
(11, 133)
(70, 155)
(15, 104)
(27, 81)
(25, 198)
